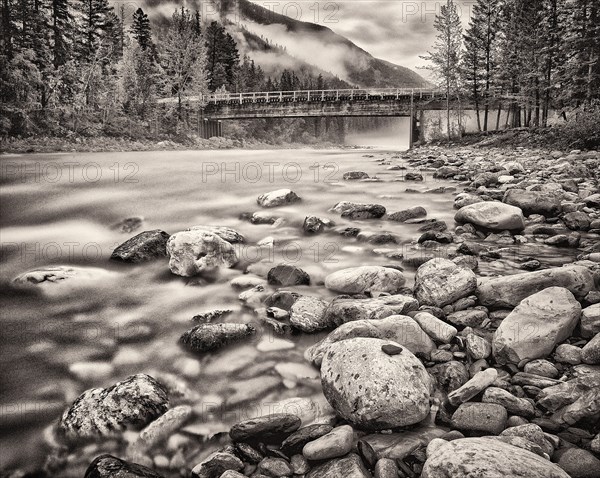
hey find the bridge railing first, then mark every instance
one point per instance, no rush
(321, 95)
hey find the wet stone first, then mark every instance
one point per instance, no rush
(295, 442)
(269, 427)
(208, 337)
(336, 443)
(349, 466)
(480, 417)
(285, 275)
(216, 464)
(146, 246)
(108, 466)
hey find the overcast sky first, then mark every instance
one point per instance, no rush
(394, 30)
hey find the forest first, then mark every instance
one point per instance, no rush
(80, 68)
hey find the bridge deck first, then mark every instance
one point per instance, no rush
(314, 103)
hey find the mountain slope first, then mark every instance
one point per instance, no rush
(303, 45)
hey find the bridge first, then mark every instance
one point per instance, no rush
(353, 102)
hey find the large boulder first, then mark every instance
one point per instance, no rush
(105, 412)
(536, 326)
(508, 291)
(357, 280)
(398, 328)
(440, 282)
(146, 246)
(482, 457)
(492, 215)
(277, 198)
(374, 390)
(341, 311)
(533, 202)
(195, 251)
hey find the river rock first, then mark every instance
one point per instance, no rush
(314, 224)
(374, 390)
(398, 328)
(336, 443)
(474, 457)
(477, 347)
(341, 311)
(579, 463)
(587, 405)
(532, 433)
(349, 466)
(406, 214)
(275, 426)
(207, 337)
(146, 246)
(450, 376)
(163, 427)
(308, 314)
(577, 221)
(226, 233)
(514, 405)
(195, 251)
(440, 282)
(105, 412)
(479, 382)
(352, 210)
(285, 275)
(466, 199)
(480, 417)
(437, 329)
(354, 175)
(63, 279)
(216, 464)
(541, 367)
(533, 202)
(590, 353)
(276, 467)
(357, 280)
(590, 321)
(108, 466)
(508, 291)
(295, 442)
(492, 215)
(536, 326)
(562, 394)
(276, 198)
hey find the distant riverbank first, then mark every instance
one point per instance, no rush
(113, 144)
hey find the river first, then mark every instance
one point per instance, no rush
(59, 209)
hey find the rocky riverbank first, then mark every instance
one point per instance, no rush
(457, 373)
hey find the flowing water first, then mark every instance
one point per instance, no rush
(60, 209)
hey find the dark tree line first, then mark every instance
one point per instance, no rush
(527, 57)
(80, 67)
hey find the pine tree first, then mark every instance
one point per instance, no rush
(62, 30)
(140, 29)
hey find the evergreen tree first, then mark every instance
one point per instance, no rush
(62, 30)
(140, 29)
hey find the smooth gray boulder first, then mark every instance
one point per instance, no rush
(440, 282)
(508, 291)
(482, 457)
(308, 314)
(374, 390)
(533, 202)
(398, 328)
(492, 215)
(536, 326)
(357, 280)
(341, 311)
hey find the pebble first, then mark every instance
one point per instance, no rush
(272, 426)
(475, 385)
(337, 442)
